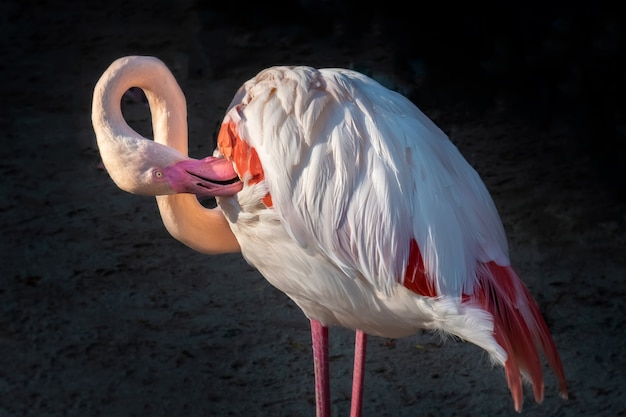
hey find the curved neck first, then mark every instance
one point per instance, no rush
(167, 102)
(184, 217)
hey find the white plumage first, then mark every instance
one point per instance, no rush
(356, 171)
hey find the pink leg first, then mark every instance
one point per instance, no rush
(319, 334)
(360, 345)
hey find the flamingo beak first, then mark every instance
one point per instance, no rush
(208, 177)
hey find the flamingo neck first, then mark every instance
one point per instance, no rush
(121, 148)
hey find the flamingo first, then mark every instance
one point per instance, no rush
(345, 197)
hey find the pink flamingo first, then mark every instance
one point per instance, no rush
(345, 197)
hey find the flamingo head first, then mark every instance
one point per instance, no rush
(149, 168)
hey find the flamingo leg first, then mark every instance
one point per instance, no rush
(319, 335)
(360, 344)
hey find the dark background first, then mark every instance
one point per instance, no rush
(556, 64)
(103, 314)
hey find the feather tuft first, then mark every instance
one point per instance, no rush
(519, 328)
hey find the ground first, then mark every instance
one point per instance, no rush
(102, 313)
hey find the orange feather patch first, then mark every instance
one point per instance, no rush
(244, 157)
(415, 277)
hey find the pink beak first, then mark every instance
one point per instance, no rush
(208, 177)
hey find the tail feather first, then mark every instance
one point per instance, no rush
(519, 328)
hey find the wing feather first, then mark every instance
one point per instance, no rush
(356, 171)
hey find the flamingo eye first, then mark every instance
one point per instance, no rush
(157, 173)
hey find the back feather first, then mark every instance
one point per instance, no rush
(349, 164)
